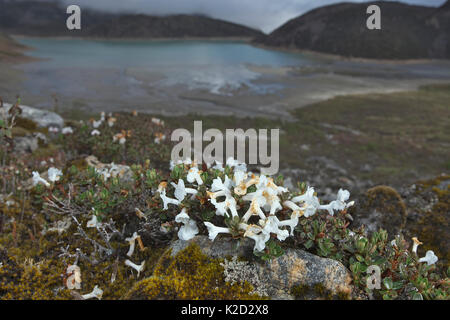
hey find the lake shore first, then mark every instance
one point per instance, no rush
(270, 91)
(331, 56)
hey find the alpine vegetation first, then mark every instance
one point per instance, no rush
(249, 205)
(104, 218)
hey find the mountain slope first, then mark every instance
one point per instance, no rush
(49, 19)
(341, 29)
(11, 51)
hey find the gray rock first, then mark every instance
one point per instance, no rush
(295, 268)
(26, 144)
(43, 118)
(115, 170)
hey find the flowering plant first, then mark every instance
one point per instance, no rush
(239, 203)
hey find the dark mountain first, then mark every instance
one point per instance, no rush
(440, 23)
(407, 31)
(48, 18)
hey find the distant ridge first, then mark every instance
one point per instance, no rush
(408, 31)
(49, 19)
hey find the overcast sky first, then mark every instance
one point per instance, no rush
(261, 14)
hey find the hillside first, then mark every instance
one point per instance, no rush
(49, 19)
(408, 32)
(10, 51)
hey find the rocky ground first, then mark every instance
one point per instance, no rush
(46, 252)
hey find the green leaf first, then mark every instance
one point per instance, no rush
(309, 244)
(417, 296)
(397, 285)
(388, 283)
(379, 260)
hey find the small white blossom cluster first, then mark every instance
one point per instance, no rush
(109, 171)
(263, 203)
(53, 174)
(110, 120)
(236, 271)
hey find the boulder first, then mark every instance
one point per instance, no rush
(381, 207)
(281, 276)
(42, 118)
(115, 170)
(27, 144)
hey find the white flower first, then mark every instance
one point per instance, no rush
(37, 179)
(95, 132)
(213, 230)
(97, 124)
(271, 225)
(189, 229)
(311, 202)
(291, 223)
(138, 268)
(218, 166)
(73, 280)
(239, 177)
(181, 191)
(338, 204)
(416, 244)
(162, 186)
(260, 239)
(53, 129)
(218, 185)
(132, 242)
(241, 188)
(159, 137)
(222, 207)
(297, 212)
(104, 172)
(255, 209)
(430, 258)
(238, 166)
(96, 293)
(67, 130)
(166, 200)
(111, 121)
(158, 122)
(54, 174)
(93, 222)
(194, 175)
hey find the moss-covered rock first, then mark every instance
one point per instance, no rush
(380, 207)
(429, 215)
(190, 274)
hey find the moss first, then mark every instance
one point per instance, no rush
(19, 132)
(80, 164)
(189, 275)
(432, 226)
(388, 202)
(29, 280)
(300, 291)
(45, 151)
(27, 124)
(317, 291)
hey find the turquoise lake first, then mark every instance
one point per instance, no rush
(219, 66)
